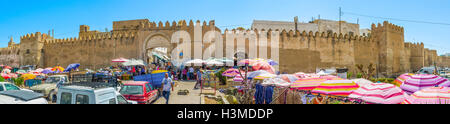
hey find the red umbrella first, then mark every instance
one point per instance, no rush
(5, 76)
(7, 67)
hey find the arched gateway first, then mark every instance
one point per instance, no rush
(154, 43)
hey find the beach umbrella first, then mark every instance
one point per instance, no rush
(321, 73)
(6, 71)
(330, 77)
(28, 76)
(72, 67)
(311, 76)
(214, 63)
(5, 76)
(300, 75)
(195, 62)
(230, 72)
(46, 71)
(224, 60)
(7, 67)
(39, 70)
(401, 79)
(58, 68)
(264, 76)
(362, 81)
(120, 60)
(380, 93)
(12, 75)
(421, 81)
(253, 74)
(276, 82)
(432, 95)
(238, 78)
(261, 65)
(249, 62)
(336, 87)
(307, 83)
(134, 62)
(288, 77)
(272, 62)
(21, 72)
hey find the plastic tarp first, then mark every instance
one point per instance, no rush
(155, 79)
(72, 67)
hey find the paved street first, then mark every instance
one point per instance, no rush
(192, 98)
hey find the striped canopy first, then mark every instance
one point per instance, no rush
(336, 87)
(362, 81)
(432, 95)
(238, 78)
(381, 93)
(58, 68)
(275, 82)
(265, 76)
(300, 75)
(307, 83)
(288, 77)
(421, 81)
(253, 74)
(401, 79)
(329, 77)
(231, 72)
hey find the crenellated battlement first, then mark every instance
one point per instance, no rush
(387, 26)
(35, 36)
(146, 24)
(414, 45)
(291, 34)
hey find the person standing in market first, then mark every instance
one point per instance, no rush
(199, 78)
(167, 85)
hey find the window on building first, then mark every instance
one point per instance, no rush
(28, 51)
(350, 33)
(329, 31)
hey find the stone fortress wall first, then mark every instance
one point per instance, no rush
(299, 50)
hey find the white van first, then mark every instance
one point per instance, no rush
(88, 95)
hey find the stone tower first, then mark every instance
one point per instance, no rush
(390, 39)
(31, 49)
(11, 42)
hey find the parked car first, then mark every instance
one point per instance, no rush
(74, 94)
(50, 87)
(139, 91)
(21, 97)
(427, 70)
(5, 86)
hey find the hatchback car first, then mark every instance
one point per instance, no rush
(139, 91)
(6, 86)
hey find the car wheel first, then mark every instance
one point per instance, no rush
(52, 96)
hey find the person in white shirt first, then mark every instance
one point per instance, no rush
(167, 84)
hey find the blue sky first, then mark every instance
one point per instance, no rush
(19, 17)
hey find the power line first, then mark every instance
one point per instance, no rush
(405, 20)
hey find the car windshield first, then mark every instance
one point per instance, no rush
(52, 80)
(131, 90)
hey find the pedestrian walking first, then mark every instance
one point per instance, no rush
(167, 85)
